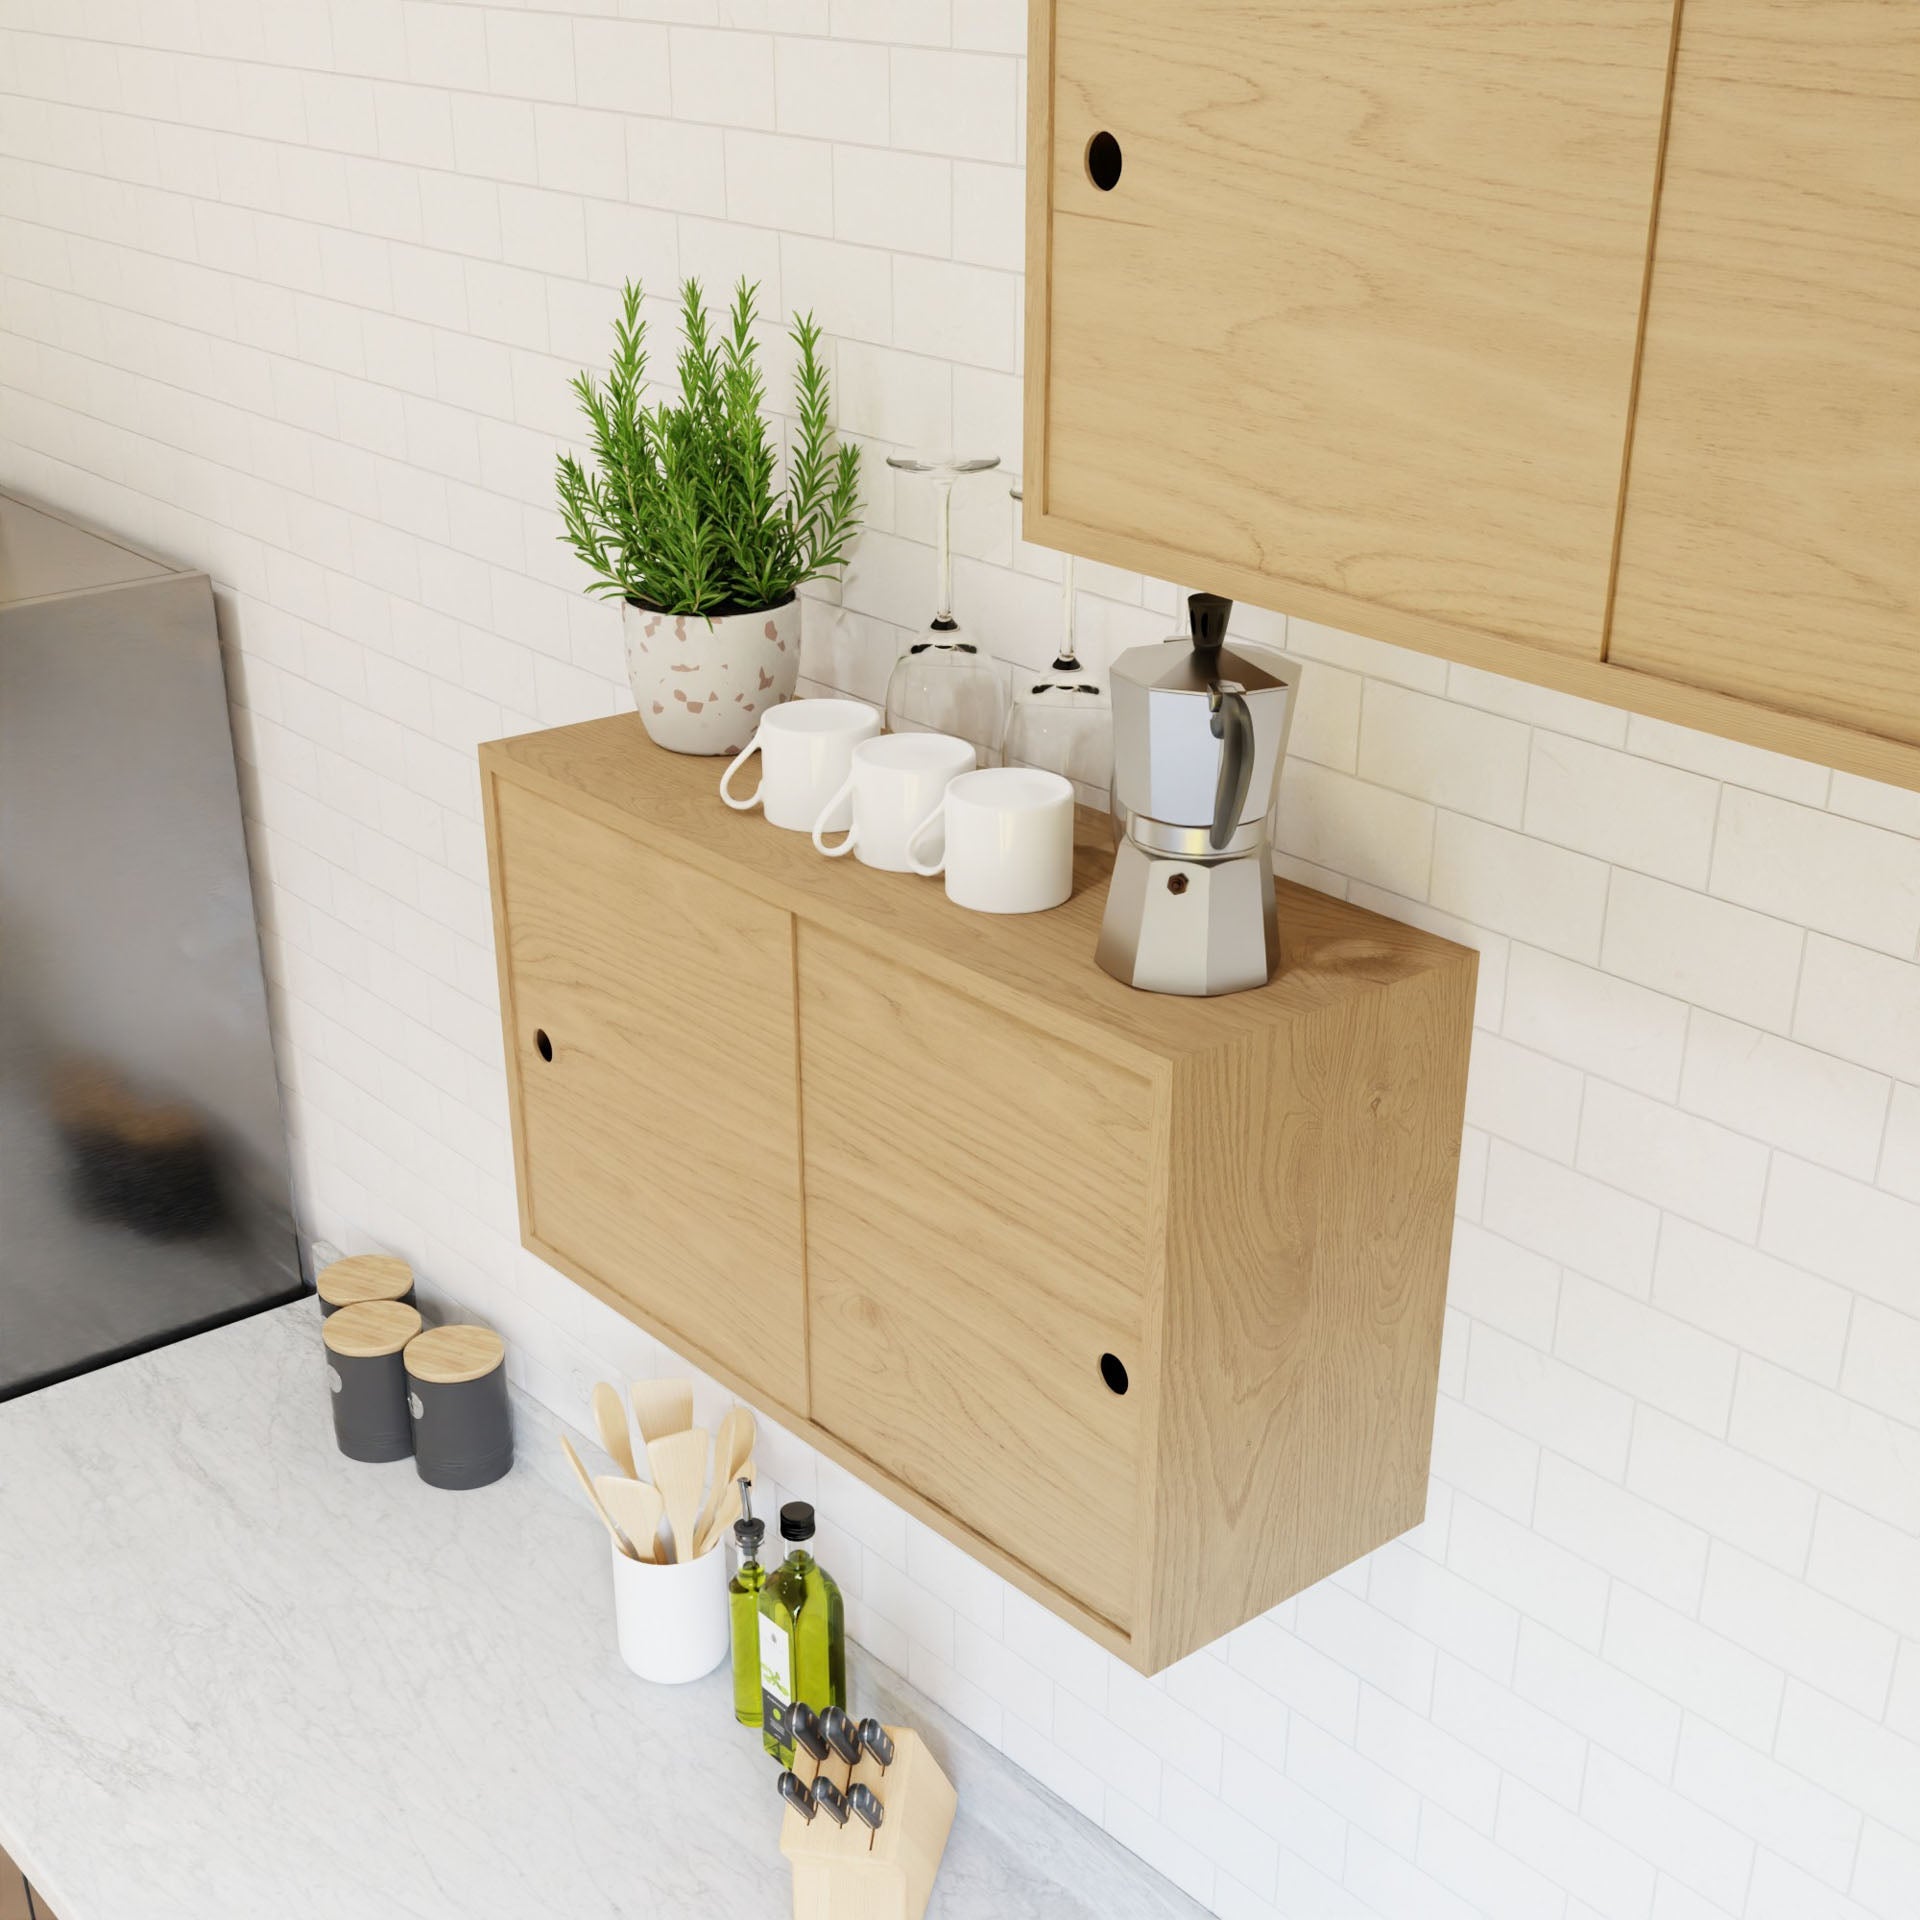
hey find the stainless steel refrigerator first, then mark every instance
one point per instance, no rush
(144, 1186)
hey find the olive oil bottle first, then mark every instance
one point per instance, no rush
(743, 1606)
(803, 1635)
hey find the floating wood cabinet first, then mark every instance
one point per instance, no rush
(1574, 339)
(1135, 1298)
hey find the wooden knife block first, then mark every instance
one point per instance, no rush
(853, 1873)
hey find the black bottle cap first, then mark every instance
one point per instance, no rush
(796, 1520)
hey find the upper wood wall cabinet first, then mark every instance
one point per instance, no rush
(1353, 332)
(1574, 339)
(1137, 1299)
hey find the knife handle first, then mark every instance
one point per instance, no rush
(829, 1797)
(842, 1735)
(804, 1724)
(866, 1803)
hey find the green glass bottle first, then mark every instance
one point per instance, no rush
(743, 1604)
(803, 1634)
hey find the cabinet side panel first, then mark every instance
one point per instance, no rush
(659, 1125)
(1768, 547)
(502, 950)
(1311, 1211)
(1360, 313)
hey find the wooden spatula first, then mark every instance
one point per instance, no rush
(713, 1529)
(635, 1507)
(661, 1407)
(620, 1540)
(679, 1463)
(610, 1419)
(731, 1448)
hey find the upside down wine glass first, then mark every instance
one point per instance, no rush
(1062, 720)
(942, 682)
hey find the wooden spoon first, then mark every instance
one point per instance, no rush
(636, 1506)
(679, 1463)
(731, 1448)
(620, 1540)
(662, 1407)
(610, 1417)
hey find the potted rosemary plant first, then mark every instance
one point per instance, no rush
(678, 513)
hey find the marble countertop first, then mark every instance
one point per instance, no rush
(240, 1675)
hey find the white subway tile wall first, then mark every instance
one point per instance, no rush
(292, 293)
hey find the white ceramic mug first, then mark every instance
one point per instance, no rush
(891, 786)
(1009, 840)
(805, 748)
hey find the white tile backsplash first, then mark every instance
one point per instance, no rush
(1886, 1877)
(1862, 1006)
(1702, 950)
(1621, 808)
(1537, 892)
(1855, 882)
(292, 293)
(1789, 1096)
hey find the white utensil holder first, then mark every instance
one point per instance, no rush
(672, 1622)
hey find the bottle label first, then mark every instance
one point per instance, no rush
(776, 1675)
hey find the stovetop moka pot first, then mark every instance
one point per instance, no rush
(1198, 737)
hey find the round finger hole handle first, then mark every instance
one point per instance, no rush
(1114, 1372)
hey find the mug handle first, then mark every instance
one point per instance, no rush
(734, 765)
(827, 812)
(913, 860)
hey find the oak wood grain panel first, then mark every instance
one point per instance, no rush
(1309, 1224)
(1361, 314)
(1770, 546)
(659, 1147)
(978, 1202)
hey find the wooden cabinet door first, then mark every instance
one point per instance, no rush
(1770, 545)
(1353, 334)
(979, 1199)
(659, 1144)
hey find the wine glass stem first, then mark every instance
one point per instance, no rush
(943, 614)
(1066, 609)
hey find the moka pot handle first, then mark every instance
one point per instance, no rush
(1231, 721)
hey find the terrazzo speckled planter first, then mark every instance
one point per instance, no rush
(701, 685)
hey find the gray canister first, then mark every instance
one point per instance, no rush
(368, 1374)
(457, 1394)
(361, 1277)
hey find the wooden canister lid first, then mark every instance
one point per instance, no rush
(364, 1276)
(449, 1355)
(87, 1097)
(372, 1328)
